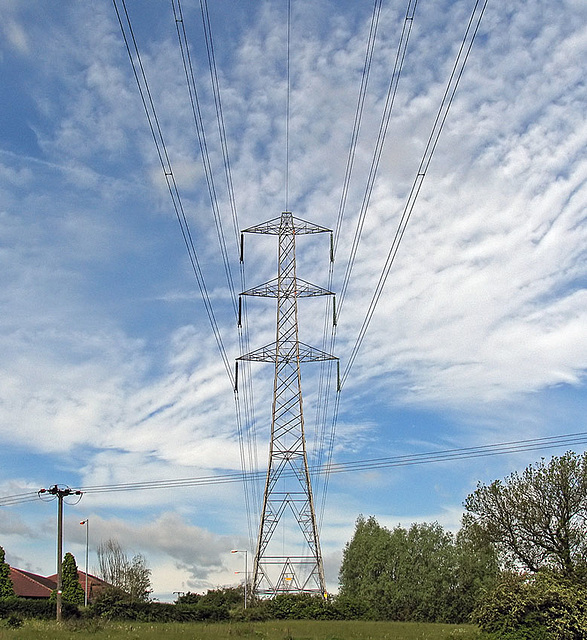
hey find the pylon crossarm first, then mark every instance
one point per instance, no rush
(299, 288)
(298, 226)
(312, 354)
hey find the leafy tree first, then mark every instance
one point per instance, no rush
(477, 569)
(422, 573)
(73, 591)
(138, 579)
(227, 596)
(538, 518)
(364, 560)
(6, 588)
(189, 598)
(131, 576)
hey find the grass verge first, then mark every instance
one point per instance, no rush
(272, 630)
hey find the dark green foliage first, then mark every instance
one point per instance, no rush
(228, 597)
(477, 571)
(537, 518)
(73, 591)
(299, 606)
(42, 609)
(14, 622)
(6, 588)
(535, 607)
(114, 604)
(349, 608)
(189, 598)
(420, 574)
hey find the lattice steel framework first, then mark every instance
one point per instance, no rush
(288, 491)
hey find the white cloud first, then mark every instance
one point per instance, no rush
(104, 340)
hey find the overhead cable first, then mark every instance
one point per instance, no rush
(326, 370)
(246, 433)
(381, 137)
(166, 166)
(368, 464)
(201, 135)
(447, 99)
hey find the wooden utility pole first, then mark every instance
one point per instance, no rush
(60, 493)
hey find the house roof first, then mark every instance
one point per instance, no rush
(92, 580)
(31, 585)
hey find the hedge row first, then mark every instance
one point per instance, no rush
(113, 608)
(42, 609)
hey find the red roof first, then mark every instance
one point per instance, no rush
(31, 585)
(95, 584)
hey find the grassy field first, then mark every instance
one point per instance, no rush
(275, 630)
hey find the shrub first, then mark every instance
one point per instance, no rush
(14, 622)
(42, 609)
(543, 605)
(300, 606)
(114, 604)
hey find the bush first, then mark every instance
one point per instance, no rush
(300, 606)
(42, 609)
(535, 607)
(114, 604)
(349, 608)
(14, 622)
(255, 613)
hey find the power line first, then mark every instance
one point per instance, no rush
(380, 143)
(247, 431)
(376, 157)
(287, 103)
(201, 135)
(246, 445)
(325, 377)
(367, 464)
(163, 155)
(447, 99)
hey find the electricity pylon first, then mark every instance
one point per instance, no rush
(295, 564)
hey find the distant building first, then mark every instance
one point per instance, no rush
(33, 586)
(95, 585)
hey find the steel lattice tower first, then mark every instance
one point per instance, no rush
(288, 491)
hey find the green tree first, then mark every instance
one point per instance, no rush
(422, 573)
(6, 588)
(538, 518)
(477, 568)
(131, 576)
(364, 560)
(73, 591)
(138, 579)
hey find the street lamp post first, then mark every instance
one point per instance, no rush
(87, 523)
(246, 570)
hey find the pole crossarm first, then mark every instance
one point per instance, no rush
(60, 493)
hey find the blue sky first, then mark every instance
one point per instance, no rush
(109, 371)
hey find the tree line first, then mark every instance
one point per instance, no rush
(517, 566)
